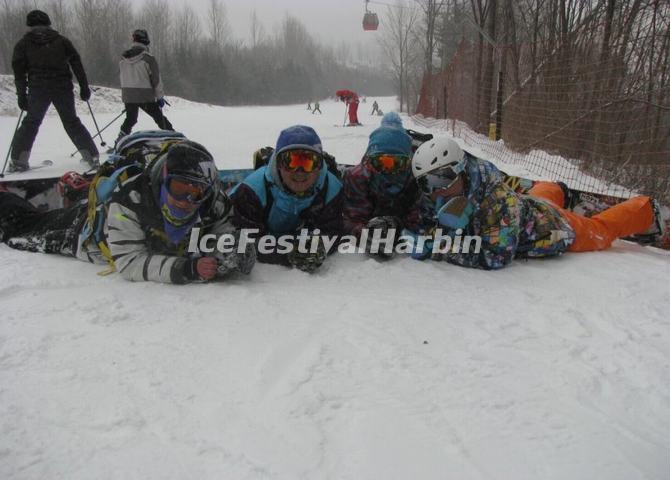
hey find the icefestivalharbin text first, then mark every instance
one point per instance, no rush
(370, 241)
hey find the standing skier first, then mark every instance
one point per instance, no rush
(469, 198)
(352, 105)
(43, 62)
(351, 101)
(375, 109)
(317, 108)
(294, 191)
(380, 192)
(141, 86)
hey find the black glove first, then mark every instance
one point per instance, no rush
(235, 261)
(262, 157)
(382, 225)
(307, 261)
(85, 93)
(22, 100)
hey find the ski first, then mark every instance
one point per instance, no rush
(42, 164)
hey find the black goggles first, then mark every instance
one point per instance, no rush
(442, 178)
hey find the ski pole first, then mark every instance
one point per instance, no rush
(2, 174)
(102, 129)
(102, 142)
(346, 109)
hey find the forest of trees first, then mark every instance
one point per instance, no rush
(523, 38)
(199, 58)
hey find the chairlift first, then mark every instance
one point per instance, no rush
(370, 19)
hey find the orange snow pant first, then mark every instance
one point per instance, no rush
(632, 216)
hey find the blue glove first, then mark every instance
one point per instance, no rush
(455, 213)
(161, 102)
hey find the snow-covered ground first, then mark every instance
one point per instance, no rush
(549, 369)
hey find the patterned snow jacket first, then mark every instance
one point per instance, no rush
(137, 239)
(261, 202)
(368, 194)
(511, 225)
(140, 78)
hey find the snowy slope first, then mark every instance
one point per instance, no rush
(549, 369)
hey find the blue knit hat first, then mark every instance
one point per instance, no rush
(298, 136)
(391, 119)
(390, 138)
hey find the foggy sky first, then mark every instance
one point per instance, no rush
(329, 21)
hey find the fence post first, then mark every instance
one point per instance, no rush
(499, 106)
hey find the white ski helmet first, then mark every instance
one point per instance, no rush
(437, 153)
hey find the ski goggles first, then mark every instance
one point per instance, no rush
(292, 160)
(183, 188)
(387, 163)
(442, 178)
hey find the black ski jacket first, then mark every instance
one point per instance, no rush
(42, 58)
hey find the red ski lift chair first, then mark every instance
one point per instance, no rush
(370, 19)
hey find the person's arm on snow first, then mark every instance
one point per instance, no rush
(412, 220)
(20, 67)
(74, 60)
(249, 213)
(221, 224)
(128, 245)
(497, 220)
(328, 220)
(358, 209)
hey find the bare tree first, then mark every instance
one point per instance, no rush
(61, 16)
(257, 31)
(210, 66)
(396, 41)
(12, 24)
(156, 18)
(217, 22)
(431, 13)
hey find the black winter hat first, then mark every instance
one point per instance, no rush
(141, 36)
(37, 18)
(191, 159)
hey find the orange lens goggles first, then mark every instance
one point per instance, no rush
(184, 189)
(389, 163)
(294, 159)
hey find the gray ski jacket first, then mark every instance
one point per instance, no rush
(140, 78)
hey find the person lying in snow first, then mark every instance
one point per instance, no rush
(294, 191)
(149, 222)
(467, 196)
(380, 192)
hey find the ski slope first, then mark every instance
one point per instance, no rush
(549, 369)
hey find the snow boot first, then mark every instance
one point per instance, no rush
(19, 164)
